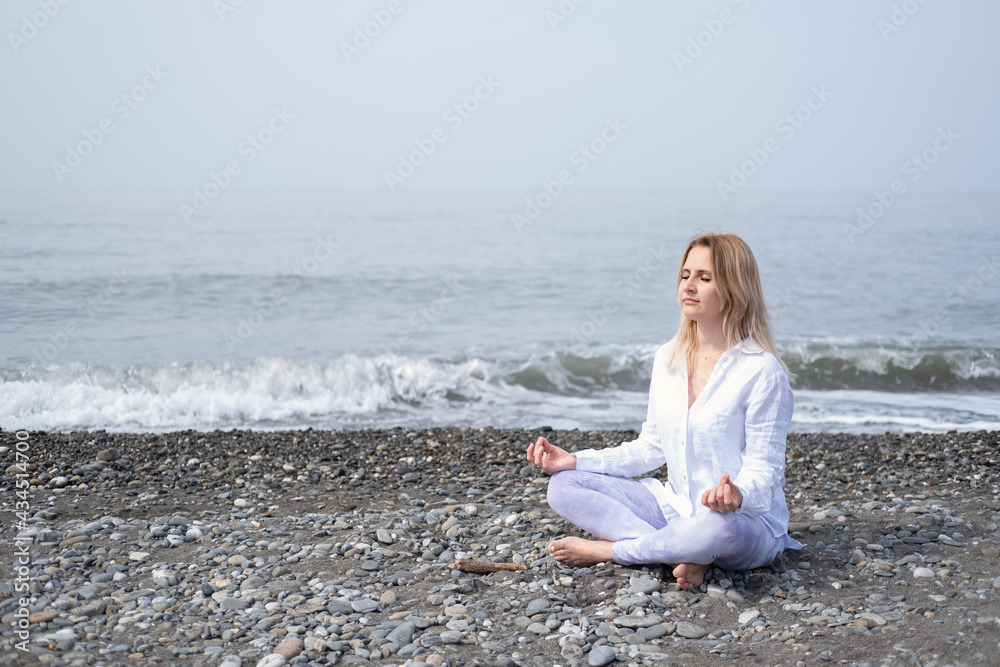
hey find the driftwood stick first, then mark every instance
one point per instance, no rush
(469, 565)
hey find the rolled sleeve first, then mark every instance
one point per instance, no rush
(626, 460)
(762, 471)
(589, 460)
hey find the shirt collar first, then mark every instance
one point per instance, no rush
(748, 346)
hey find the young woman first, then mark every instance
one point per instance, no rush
(719, 407)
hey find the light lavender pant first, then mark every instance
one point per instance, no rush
(626, 512)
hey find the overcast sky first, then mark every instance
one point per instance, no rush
(339, 110)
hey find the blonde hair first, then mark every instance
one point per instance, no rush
(737, 282)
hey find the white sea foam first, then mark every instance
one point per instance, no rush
(876, 411)
(603, 390)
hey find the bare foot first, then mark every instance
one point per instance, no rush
(579, 552)
(690, 575)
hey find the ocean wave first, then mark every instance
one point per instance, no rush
(856, 386)
(889, 366)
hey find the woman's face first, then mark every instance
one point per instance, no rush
(696, 291)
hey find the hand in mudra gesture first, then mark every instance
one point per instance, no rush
(726, 497)
(550, 458)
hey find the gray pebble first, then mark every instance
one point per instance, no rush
(233, 604)
(635, 622)
(537, 629)
(600, 656)
(655, 631)
(537, 606)
(110, 454)
(645, 585)
(452, 637)
(689, 630)
(402, 634)
(364, 605)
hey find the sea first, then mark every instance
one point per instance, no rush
(151, 310)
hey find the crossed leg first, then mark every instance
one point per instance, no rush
(625, 513)
(579, 552)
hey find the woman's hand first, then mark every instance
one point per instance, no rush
(550, 458)
(726, 497)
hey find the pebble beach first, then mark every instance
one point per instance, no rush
(254, 548)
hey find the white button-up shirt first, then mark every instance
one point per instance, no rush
(737, 425)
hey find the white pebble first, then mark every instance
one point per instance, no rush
(62, 635)
(272, 660)
(924, 572)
